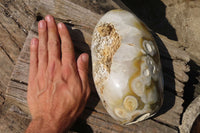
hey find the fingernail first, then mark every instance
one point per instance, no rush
(60, 25)
(48, 18)
(34, 42)
(41, 24)
(85, 58)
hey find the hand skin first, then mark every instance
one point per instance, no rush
(58, 87)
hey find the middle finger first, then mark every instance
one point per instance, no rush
(53, 39)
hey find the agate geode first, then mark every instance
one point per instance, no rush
(126, 67)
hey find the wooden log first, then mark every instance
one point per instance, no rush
(170, 51)
(190, 116)
(21, 70)
(175, 74)
(100, 122)
(81, 22)
(20, 73)
(96, 117)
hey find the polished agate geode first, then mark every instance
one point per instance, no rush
(126, 67)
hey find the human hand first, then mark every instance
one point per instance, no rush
(58, 86)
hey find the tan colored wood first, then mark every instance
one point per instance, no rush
(13, 123)
(13, 29)
(103, 123)
(174, 49)
(20, 74)
(8, 45)
(70, 12)
(2, 100)
(20, 13)
(12, 36)
(171, 110)
(81, 22)
(6, 69)
(176, 68)
(98, 120)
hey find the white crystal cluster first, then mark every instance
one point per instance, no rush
(126, 67)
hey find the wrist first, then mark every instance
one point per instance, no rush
(43, 126)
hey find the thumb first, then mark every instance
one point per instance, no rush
(82, 64)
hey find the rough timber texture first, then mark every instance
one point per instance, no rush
(170, 114)
(13, 31)
(16, 20)
(189, 116)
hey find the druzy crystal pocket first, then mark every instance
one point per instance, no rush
(126, 67)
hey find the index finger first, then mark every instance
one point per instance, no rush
(68, 56)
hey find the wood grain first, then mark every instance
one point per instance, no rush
(6, 70)
(14, 23)
(101, 122)
(81, 23)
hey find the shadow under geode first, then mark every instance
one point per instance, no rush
(168, 76)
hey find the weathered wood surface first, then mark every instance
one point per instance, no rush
(173, 58)
(16, 20)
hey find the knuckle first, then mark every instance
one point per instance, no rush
(53, 42)
(83, 69)
(42, 49)
(66, 47)
(33, 61)
(68, 58)
(72, 65)
(66, 73)
(51, 67)
(42, 31)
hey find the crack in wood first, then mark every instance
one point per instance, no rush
(24, 61)
(27, 10)
(71, 23)
(34, 31)
(11, 36)
(21, 82)
(18, 87)
(2, 99)
(168, 125)
(2, 83)
(103, 120)
(6, 12)
(157, 121)
(3, 49)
